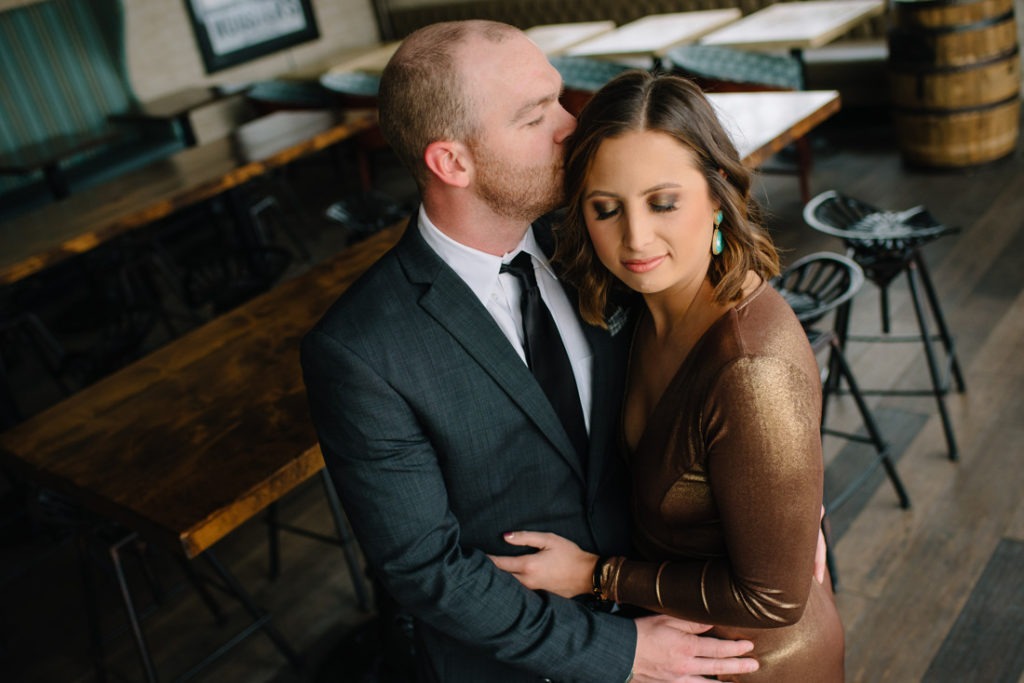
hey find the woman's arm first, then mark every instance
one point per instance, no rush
(765, 471)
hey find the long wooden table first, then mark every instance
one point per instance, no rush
(191, 442)
(80, 223)
(194, 439)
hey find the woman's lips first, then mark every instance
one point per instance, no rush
(642, 265)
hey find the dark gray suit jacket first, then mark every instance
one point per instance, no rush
(438, 440)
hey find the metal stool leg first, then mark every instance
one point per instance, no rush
(933, 368)
(872, 429)
(940, 321)
(830, 558)
(874, 434)
(347, 542)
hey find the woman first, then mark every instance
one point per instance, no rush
(721, 417)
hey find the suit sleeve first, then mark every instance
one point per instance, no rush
(765, 470)
(391, 484)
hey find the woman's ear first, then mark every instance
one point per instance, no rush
(449, 162)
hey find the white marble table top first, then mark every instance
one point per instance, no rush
(795, 25)
(654, 35)
(555, 39)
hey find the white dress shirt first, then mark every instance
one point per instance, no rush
(499, 293)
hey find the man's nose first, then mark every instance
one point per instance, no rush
(566, 124)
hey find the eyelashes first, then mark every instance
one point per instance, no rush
(603, 212)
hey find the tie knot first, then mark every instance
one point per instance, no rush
(522, 268)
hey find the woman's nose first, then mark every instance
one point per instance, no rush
(635, 231)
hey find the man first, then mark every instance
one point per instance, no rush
(434, 430)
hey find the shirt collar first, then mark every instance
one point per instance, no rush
(478, 269)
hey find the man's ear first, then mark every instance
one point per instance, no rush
(449, 162)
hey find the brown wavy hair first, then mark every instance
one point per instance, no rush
(641, 101)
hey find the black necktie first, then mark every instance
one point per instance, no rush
(545, 353)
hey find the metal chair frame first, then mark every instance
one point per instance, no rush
(814, 286)
(887, 244)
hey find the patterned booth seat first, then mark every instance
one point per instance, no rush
(63, 72)
(723, 68)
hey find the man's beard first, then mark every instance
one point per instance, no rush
(517, 192)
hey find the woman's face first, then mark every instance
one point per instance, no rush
(649, 212)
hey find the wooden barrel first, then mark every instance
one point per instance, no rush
(954, 81)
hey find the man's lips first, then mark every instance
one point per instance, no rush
(642, 265)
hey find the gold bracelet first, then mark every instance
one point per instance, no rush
(596, 578)
(657, 584)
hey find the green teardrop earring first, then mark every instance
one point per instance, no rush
(717, 241)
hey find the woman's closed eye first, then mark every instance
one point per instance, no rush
(662, 204)
(605, 210)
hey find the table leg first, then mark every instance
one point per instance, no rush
(91, 608)
(257, 614)
(185, 129)
(347, 542)
(798, 55)
(133, 616)
(57, 181)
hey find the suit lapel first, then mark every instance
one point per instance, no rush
(606, 394)
(450, 302)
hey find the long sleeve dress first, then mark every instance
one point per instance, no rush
(727, 489)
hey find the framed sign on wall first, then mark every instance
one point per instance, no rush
(231, 32)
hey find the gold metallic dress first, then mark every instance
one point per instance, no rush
(727, 489)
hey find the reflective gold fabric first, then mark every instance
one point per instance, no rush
(727, 488)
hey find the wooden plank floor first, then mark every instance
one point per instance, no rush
(932, 593)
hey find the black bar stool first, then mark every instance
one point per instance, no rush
(886, 244)
(815, 286)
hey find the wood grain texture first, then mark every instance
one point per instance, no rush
(196, 438)
(75, 225)
(984, 644)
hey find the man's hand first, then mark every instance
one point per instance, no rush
(671, 650)
(559, 565)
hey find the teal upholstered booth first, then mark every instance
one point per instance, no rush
(63, 72)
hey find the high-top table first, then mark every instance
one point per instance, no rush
(82, 222)
(556, 39)
(795, 26)
(371, 60)
(652, 36)
(762, 123)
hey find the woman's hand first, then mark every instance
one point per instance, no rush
(559, 565)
